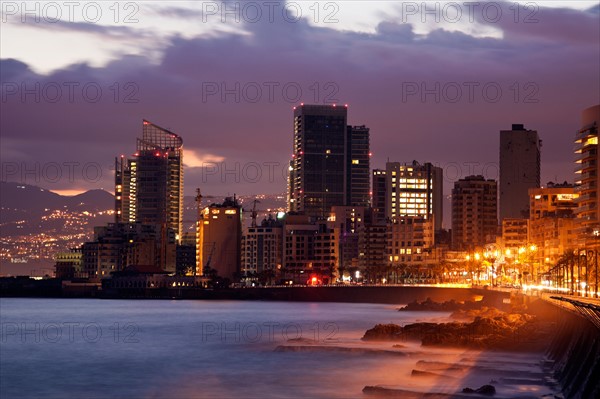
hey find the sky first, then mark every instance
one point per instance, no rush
(435, 82)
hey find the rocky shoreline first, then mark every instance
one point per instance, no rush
(480, 327)
(490, 331)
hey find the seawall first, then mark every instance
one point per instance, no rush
(575, 354)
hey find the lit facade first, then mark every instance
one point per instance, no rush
(552, 222)
(410, 241)
(68, 264)
(519, 170)
(474, 212)
(587, 174)
(218, 239)
(149, 186)
(515, 234)
(414, 190)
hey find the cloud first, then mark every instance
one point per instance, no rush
(230, 96)
(196, 159)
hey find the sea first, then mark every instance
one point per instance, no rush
(97, 348)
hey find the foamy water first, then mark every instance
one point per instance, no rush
(184, 349)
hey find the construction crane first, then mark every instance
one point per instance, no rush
(198, 199)
(254, 213)
(210, 255)
(191, 223)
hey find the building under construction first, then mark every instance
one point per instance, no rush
(149, 186)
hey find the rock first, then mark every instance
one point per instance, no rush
(471, 314)
(302, 340)
(447, 306)
(421, 373)
(503, 331)
(338, 349)
(486, 390)
(383, 332)
(483, 390)
(429, 305)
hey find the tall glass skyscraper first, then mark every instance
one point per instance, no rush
(358, 167)
(149, 186)
(330, 164)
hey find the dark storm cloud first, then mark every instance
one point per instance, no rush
(558, 55)
(81, 27)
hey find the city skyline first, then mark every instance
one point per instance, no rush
(324, 199)
(398, 86)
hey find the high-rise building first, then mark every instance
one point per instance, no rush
(587, 175)
(474, 212)
(330, 165)
(414, 190)
(149, 186)
(218, 239)
(358, 167)
(519, 170)
(379, 196)
(318, 176)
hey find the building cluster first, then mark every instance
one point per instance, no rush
(147, 231)
(347, 222)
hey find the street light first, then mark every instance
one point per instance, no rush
(591, 254)
(581, 255)
(596, 235)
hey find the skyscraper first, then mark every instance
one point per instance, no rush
(358, 166)
(330, 165)
(587, 176)
(149, 186)
(414, 190)
(519, 170)
(474, 212)
(378, 196)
